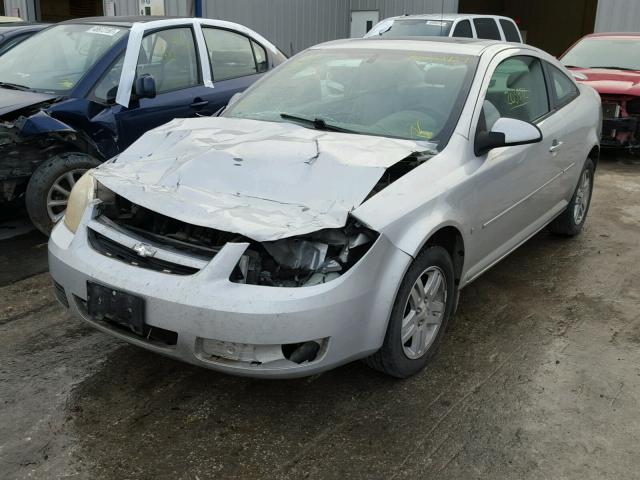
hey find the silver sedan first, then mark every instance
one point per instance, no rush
(334, 211)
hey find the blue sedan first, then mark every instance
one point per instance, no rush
(80, 92)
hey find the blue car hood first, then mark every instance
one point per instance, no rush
(12, 100)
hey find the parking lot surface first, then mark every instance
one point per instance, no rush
(538, 377)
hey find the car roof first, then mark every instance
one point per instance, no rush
(122, 21)
(21, 26)
(451, 45)
(448, 16)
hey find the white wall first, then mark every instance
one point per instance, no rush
(124, 7)
(618, 16)
(25, 6)
(392, 8)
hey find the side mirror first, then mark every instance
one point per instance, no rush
(507, 132)
(145, 86)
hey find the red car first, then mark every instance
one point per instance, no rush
(610, 63)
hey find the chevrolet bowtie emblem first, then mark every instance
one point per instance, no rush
(144, 250)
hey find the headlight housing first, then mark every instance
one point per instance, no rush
(81, 195)
(306, 260)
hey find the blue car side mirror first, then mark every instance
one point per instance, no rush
(145, 86)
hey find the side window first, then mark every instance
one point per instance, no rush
(230, 53)
(170, 57)
(107, 86)
(563, 89)
(510, 31)
(517, 90)
(261, 57)
(487, 28)
(463, 29)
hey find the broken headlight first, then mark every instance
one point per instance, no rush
(81, 195)
(307, 260)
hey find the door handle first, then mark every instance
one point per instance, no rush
(555, 146)
(198, 103)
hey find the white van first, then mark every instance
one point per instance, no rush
(492, 27)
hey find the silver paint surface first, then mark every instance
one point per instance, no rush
(264, 180)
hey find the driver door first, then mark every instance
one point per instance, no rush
(509, 185)
(170, 56)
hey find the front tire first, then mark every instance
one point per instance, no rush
(570, 222)
(419, 317)
(50, 185)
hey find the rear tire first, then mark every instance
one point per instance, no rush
(403, 354)
(49, 187)
(570, 222)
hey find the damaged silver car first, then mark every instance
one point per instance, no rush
(334, 211)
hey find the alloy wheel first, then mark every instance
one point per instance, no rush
(424, 312)
(58, 194)
(583, 195)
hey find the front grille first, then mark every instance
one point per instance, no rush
(112, 249)
(610, 110)
(60, 294)
(167, 232)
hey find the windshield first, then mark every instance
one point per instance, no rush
(55, 59)
(412, 28)
(402, 94)
(622, 53)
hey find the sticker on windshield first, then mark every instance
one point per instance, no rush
(436, 23)
(102, 30)
(417, 131)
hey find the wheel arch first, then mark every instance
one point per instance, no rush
(450, 238)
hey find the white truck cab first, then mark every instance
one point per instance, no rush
(491, 27)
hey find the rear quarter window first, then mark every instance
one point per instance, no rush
(463, 29)
(487, 28)
(562, 88)
(510, 31)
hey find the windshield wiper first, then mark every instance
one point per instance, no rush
(14, 86)
(618, 68)
(317, 123)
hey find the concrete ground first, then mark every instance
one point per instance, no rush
(538, 378)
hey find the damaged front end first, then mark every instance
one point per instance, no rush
(25, 142)
(621, 122)
(304, 260)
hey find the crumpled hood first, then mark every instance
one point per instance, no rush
(264, 180)
(609, 81)
(12, 100)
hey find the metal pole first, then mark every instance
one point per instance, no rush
(198, 8)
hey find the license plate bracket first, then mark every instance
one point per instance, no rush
(107, 303)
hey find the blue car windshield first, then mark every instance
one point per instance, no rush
(55, 59)
(412, 95)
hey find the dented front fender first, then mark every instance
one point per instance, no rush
(40, 123)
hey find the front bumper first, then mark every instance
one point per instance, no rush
(349, 314)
